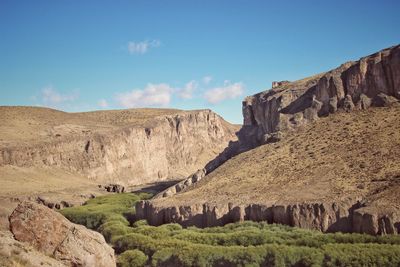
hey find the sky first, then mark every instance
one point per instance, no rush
(94, 55)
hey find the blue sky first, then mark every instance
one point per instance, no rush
(89, 55)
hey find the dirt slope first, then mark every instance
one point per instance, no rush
(314, 177)
(347, 155)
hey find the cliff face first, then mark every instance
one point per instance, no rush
(311, 154)
(344, 216)
(373, 80)
(170, 146)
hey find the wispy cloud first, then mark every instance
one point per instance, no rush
(228, 91)
(102, 103)
(160, 95)
(207, 79)
(187, 91)
(142, 47)
(52, 98)
(151, 95)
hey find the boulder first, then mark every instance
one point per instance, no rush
(364, 103)
(193, 179)
(384, 100)
(52, 234)
(115, 188)
(311, 113)
(333, 103)
(348, 104)
(272, 137)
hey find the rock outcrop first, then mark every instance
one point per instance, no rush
(52, 234)
(372, 80)
(344, 216)
(182, 185)
(115, 188)
(14, 253)
(164, 147)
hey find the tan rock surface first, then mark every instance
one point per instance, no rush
(52, 234)
(122, 146)
(14, 253)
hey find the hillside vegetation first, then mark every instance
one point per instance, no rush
(239, 244)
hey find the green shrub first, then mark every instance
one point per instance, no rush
(140, 223)
(102, 209)
(134, 241)
(237, 244)
(112, 229)
(132, 258)
(361, 255)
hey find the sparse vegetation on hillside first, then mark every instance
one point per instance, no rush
(343, 155)
(239, 244)
(36, 124)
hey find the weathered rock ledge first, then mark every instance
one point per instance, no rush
(345, 216)
(373, 80)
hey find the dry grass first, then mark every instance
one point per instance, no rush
(19, 125)
(298, 86)
(32, 180)
(353, 154)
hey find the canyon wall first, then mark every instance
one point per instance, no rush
(345, 216)
(168, 147)
(372, 80)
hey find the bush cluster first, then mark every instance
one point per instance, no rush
(132, 258)
(99, 210)
(238, 244)
(257, 244)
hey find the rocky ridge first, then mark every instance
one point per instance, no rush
(160, 148)
(272, 116)
(371, 81)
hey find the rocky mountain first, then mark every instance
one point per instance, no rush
(125, 146)
(372, 80)
(319, 153)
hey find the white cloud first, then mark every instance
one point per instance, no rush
(188, 90)
(228, 91)
(142, 47)
(151, 95)
(207, 79)
(102, 103)
(51, 97)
